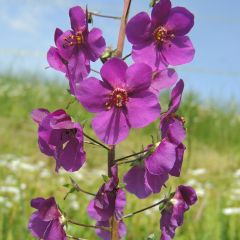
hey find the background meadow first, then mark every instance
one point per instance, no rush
(210, 107)
(211, 165)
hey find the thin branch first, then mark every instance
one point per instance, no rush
(75, 238)
(92, 143)
(93, 140)
(129, 161)
(144, 209)
(70, 103)
(121, 35)
(88, 226)
(96, 71)
(125, 57)
(77, 187)
(104, 16)
(131, 155)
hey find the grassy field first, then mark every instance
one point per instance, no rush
(211, 165)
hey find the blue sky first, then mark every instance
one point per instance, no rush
(27, 28)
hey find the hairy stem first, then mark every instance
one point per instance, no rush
(88, 226)
(95, 141)
(121, 35)
(144, 209)
(104, 16)
(113, 222)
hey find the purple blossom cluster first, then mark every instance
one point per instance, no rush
(124, 97)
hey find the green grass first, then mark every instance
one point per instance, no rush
(212, 144)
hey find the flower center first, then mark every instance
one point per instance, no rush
(161, 35)
(73, 39)
(117, 98)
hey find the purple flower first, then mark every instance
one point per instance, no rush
(149, 176)
(160, 40)
(163, 79)
(173, 213)
(106, 235)
(109, 201)
(54, 57)
(61, 138)
(47, 222)
(79, 46)
(172, 126)
(121, 101)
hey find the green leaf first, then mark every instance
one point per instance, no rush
(105, 178)
(66, 185)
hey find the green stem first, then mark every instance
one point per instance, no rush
(88, 226)
(131, 155)
(144, 209)
(95, 141)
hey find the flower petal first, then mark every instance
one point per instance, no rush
(149, 54)
(45, 147)
(160, 12)
(138, 29)
(57, 34)
(65, 51)
(163, 79)
(98, 213)
(93, 94)
(135, 182)
(161, 161)
(138, 77)
(176, 170)
(37, 226)
(176, 131)
(56, 232)
(120, 203)
(180, 21)
(111, 126)
(78, 66)
(188, 193)
(113, 72)
(77, 18)
(176, 96)
(155, 182)
(39, 114)
(55, 60)
(96, 44)
(73, 156)
(178, 51)
(142, 109)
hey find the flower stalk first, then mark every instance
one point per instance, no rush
(131, 155)
(88, 226)
(104, 16)
(114, 223)
(122, 31)
(95, 141)
(146, 208)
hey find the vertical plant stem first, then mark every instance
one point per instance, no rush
(121, 36)
(114, 223)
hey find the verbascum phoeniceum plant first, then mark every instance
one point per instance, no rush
(123, 97)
